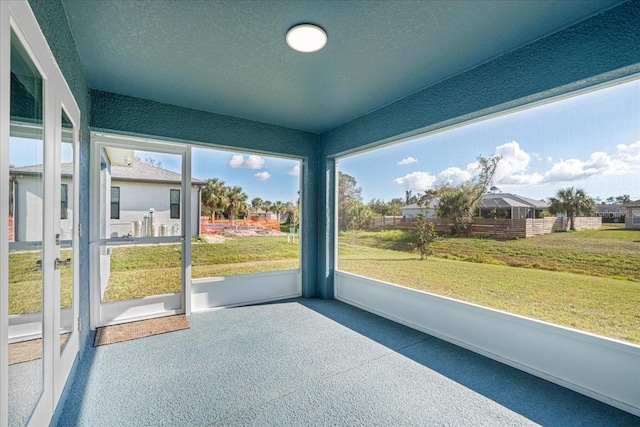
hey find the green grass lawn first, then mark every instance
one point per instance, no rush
(25, 282)
(139, 271)
(610, 251)
(579, 296)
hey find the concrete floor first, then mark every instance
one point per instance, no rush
(312, 362)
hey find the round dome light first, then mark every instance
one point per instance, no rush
(306, 38)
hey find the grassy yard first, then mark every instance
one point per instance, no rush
(139, 271)
(588, 280)
(610, 251)
(25, 282)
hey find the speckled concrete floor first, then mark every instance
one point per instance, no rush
(312, 362)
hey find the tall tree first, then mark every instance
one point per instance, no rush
(214, 197)
(267, 205)
(573, 202)
(236, 201)
(459, 203)
(256, 204)
(349, 201)
(278, 208)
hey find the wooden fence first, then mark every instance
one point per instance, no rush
(503, 228)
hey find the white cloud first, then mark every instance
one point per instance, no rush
(262, 176)
(295, 171)
(453, 176)
(629, 153)
(598, 163)
(407, 161)
(513, 164)
(251, 162)
(418, 181)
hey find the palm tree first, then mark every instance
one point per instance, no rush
(278, 208)
(267, 206)
(237, 198)
(256, 204)
(572, 202)
(214, 196)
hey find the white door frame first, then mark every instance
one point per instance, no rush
(64, 361)
(153, 306)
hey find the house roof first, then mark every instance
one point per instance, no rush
(239, 64)
(505, 200)
(143, 172)
(138, 171)
(634, 204)
(499, 200)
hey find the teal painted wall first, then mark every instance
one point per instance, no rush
(596, 50)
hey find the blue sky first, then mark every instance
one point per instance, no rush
(590, 141)
(269, 178)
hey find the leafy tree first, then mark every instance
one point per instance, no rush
(267, 205)
(236, 199)
(256, 204)
(292, 213)
(425, 229)
(395, 206)
(349, 202)
(357, 216)
(459, 202)
(572, 202)
(214, 197)
(625, 198)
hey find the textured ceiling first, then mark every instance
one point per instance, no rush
(230, 57)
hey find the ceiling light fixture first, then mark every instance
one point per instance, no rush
(306, 38)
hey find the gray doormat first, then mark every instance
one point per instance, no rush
(140, 329)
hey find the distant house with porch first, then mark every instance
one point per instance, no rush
(632, 218)
(502, 205)
(611, 212)
(510, 206)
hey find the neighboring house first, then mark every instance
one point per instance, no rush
(505, 205)
(611, 212)
(137, 188)
(262, 214)
(128, 191)
(632, 218)
(511, 206)
(411, 211)
(26, 187)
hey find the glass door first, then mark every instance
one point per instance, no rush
(38, 336)
(26, 267)
(140, 229)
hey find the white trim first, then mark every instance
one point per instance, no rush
(5, 88)
(604, 369)
(113, 313)
(244, 289)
